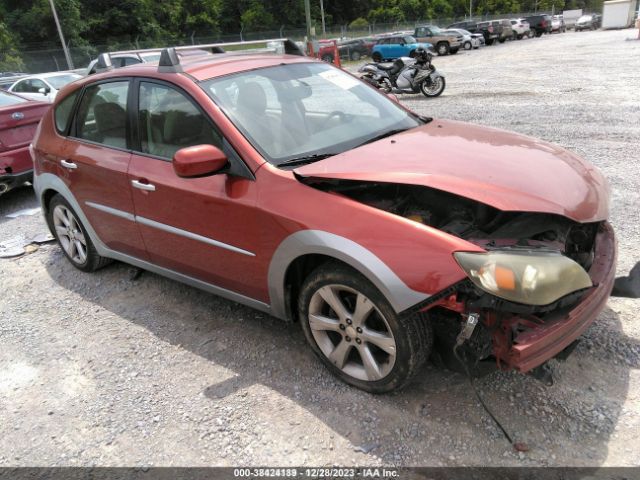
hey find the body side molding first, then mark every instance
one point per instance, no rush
(48, 181)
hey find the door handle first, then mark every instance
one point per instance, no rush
(143, 186)
(69, 165)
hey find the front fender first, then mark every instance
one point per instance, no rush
(306, 242)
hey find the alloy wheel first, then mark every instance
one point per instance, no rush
(351, 332)
(70, 234)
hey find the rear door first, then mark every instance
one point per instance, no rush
(95, 161)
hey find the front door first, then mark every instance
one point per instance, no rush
(94, 165)
(201, 227)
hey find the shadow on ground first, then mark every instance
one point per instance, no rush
(436, 419)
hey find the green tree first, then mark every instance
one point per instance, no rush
(359, 24)
(10, 59)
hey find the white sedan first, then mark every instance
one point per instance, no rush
(43, 87)
(469, 40)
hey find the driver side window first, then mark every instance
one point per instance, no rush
(169, 121)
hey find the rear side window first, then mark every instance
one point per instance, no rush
(169, 121)
(102, 114)
(63, 111)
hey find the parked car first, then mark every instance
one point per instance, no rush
(557, 24)
(286, 184)
(587, 22)
(444, 43)
(469, 40)
(326, 50)
(503, 29)
(43, 87)
(390, 48)
(354, 49)
(8, 78)
(521, 28)
(467, 25)
(120, 60)
(19, 118)
(539, 24)
(488, 32)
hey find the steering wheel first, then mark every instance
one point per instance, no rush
(336, 113)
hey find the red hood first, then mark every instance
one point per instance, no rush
(502, 169)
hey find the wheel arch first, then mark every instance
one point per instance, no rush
(303, 251)
(46, 186)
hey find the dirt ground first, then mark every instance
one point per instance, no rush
(98, 369)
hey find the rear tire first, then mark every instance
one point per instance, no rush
(370, 347)
(72, 236)
(327, 58)
(376, 57)
(355, 56)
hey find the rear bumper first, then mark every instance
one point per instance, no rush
(533, 347)
(15, 162)
(10, 181)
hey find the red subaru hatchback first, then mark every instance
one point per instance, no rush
(286, 184)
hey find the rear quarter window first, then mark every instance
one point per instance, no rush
(62, 112)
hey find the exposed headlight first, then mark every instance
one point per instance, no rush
(531, 278)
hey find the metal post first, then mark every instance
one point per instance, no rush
(470, 10)
(324, 30)
(64, 45)
(307, 14)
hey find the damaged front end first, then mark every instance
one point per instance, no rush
(541, 281)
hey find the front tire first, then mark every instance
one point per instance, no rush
(467, 45)
(434, 88)
(355, 56)
(327, 58)
(356, 333)
(442, 48)
(72, 236)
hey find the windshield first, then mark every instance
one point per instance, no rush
(305, 110)
(60, 81)
(7, 99)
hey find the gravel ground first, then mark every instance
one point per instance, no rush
(98, 369)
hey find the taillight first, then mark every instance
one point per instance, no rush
(543, 23)
(490, 29)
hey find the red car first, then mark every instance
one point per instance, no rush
(19, 118)
(286, 184)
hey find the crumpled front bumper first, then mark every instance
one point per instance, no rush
(535, 346)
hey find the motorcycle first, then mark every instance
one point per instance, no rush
(406, 75)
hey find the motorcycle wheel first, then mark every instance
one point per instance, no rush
(433, 88)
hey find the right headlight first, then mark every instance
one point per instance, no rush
(524, 277)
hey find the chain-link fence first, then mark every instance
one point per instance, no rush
(48, 57)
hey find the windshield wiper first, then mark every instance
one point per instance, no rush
(388, 133)
(305, 159)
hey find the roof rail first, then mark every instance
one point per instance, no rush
(104, 63)
(170, 58)
(170, 61)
